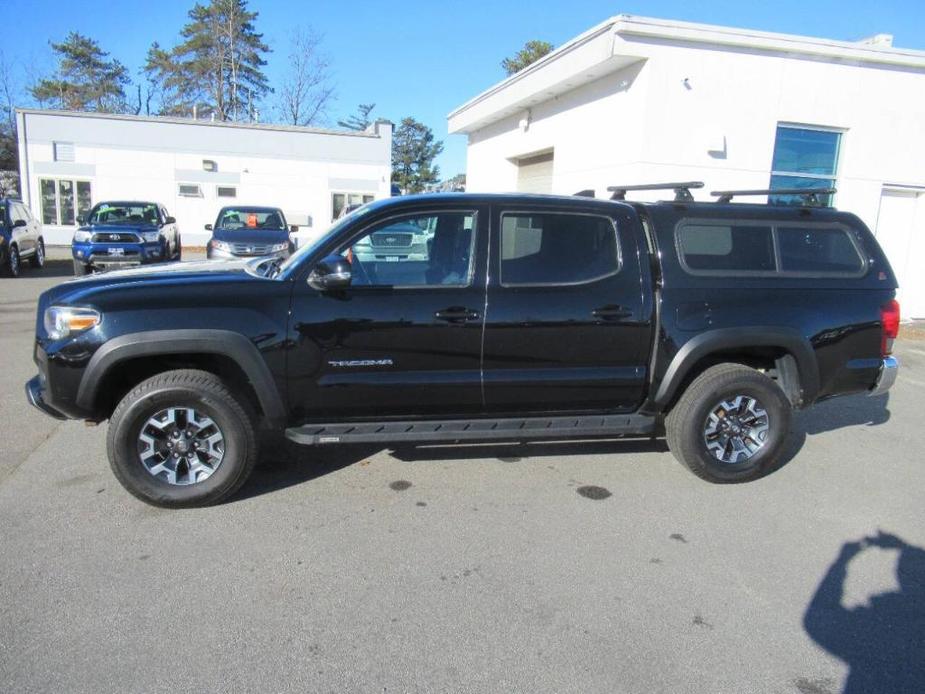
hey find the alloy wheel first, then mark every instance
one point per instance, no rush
(181, 446)
(736, 429)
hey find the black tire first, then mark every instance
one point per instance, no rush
(80, 269)
(686, 423)
(207, 394)
(13, 265)
(178, 253)
(38, 258)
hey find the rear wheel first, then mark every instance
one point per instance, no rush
(178, 251)
(730, 425)
(38, 258)
(13, 265)
(80, 269)
(182, 438)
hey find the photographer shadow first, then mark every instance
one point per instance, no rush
(882, 643)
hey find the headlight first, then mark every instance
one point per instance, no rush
(81, 236)
(61, 321)
(279, 247)
(151, 236)
(221, 245)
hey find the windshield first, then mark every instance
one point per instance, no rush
(106, 213)
(246, 219)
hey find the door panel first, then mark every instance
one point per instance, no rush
(568, 325)
(405, 338)
(901, 234)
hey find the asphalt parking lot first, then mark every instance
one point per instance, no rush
(468, 568)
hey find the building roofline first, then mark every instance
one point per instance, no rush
(630, 27)
(173, 120)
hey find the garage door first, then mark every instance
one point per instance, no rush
(534, 173)
(901, 234)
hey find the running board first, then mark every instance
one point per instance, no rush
(520, 429)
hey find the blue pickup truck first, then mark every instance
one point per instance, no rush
(122, 234)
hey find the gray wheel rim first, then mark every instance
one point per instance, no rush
(736, 429)
(181, 446)
(14, 262)
(40, 254)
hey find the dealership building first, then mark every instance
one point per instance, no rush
(70, 161)
(638, 100)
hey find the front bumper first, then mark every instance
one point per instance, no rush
(218, 254)
(35, 391)
(889, 368)
(118, 255)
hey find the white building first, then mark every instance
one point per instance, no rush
(69, 161)
(637, 100)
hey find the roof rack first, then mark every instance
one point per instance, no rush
(682, 190)
(810, 195)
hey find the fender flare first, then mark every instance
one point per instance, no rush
(706, 343)
(160, 342)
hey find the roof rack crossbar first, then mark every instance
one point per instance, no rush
(682, 190)
(810, 195)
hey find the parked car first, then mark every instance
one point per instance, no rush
(533, 317)
(247, 232)
(122, 234)
(20, 238)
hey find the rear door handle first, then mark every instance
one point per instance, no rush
(457, 314)
(613, 312)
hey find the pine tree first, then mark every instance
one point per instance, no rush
(360, 120)
(85, 79)
(530, 53)
(413, 152)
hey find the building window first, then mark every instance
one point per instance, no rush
(63, 151)
(341, 201)
(64, 200)
(226, 191)
(189, 190)
(804, 157)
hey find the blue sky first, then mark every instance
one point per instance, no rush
(423, 58)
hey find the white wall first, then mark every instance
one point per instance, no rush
(643, 124)
(127, 158)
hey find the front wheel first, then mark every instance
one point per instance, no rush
(38, 259)
(13, 262)
(80, 269)
(180, 439)
(730, 425)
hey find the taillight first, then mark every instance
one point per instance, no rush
(889, 320)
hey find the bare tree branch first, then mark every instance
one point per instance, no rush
(306, 92)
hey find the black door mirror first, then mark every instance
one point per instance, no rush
(170, 220)
(294, 228)
(19, 223)
(81, 219)
(334, 272)
(208, 227)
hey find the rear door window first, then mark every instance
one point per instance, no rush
(726, 247)
(553, 248)
(819, 250)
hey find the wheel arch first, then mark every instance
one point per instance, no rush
(789, 353)
(226, 352)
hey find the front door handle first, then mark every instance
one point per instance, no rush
(456, 314)
(613, 312)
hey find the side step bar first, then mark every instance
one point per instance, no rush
(521, 429)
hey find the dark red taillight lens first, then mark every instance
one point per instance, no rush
(889, 319)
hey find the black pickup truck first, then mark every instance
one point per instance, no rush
(528, 317)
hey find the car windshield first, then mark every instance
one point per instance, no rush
(247, 219)
(106, 213)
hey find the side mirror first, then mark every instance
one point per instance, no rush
(208, 227)
(294, 228)
(81, 220)
(170, 220)
(334, 272)
(19, 223)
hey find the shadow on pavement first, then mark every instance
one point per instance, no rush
(883, 643)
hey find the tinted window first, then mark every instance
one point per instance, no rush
(426, 250)
(114, 213)
(817, 250)
(557, 248)
(727, 247)
(247, 219)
